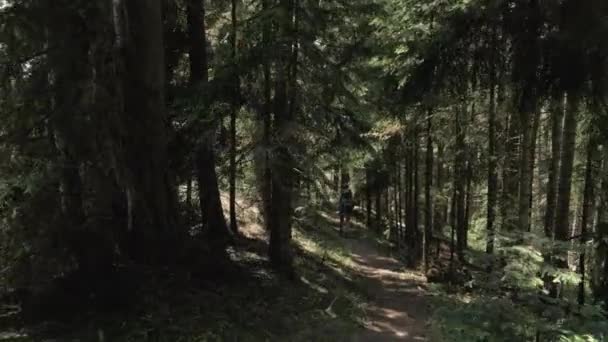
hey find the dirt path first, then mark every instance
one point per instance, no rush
(398, 311)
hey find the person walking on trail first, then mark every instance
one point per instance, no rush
(345, 207)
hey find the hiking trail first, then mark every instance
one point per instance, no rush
(398, 309)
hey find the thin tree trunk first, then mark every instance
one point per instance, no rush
(409, 215)
(453, 219)
(600, 288)
(389, 207)
(417, 190)
(233, 114)
(557, 118)
(587, 213)
(468, 201)
(395, 228)
(398, 198)
(336, 174)
(267, 119)
(524, 171)
(510, 181)
(562, 216)
(189, 189)
(440, 208)
(368, 196)
(428, 221)
(378, 211)
(459, 186)
(533, 144)
(208, 188)
(492, 162)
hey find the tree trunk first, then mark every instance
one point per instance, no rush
(492, 162)
(233, 114)
(453, 220)
(71, 192)
(409, 202)
(208, 188)
(459, 186)
(416, 199)
(285, 109)
(70, 73)
(533, 144)
(587, 212)
(557, 118)
(267, 119)
(150, 194)
(368, 196)
(510, 181)
(600, 271)
(428, 220)
(398, 201)
(525, 177)
(468, 200)
(195, 12)
(189, 190)
(395, 227)
(401, 199)
(442, 203)
(387, 203)
(378, 211)
(562, 216)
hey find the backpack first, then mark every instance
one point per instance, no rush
(347, 199)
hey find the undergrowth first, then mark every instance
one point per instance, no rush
(505, 297)
(252, 304)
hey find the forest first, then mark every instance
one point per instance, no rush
(176, 170)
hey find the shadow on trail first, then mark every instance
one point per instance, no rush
(397, 308)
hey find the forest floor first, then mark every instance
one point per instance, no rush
(394, 307)
(349, 287)
(398, 309)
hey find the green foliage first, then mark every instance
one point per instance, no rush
(509, 303)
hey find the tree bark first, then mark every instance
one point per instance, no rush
(410, 229)
(600, 267)
(453, 223)
(189, 190)
(510, 182)
(492, 162)
(208, 189)
(439, 220)
(70, 73)
(233, 115)
(197, 36)
(525, 178)
(150, 194)
(379, 211)
(562, 216)
(557, 118)
(368, 196)
(428, 221)
(267, 122)
(459, 186)
(416, 197)
(587, 212)
(533, 144)
(397, 201)
(285, 109)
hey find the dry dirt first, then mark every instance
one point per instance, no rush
(398, 310)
